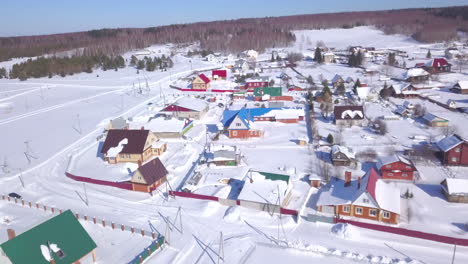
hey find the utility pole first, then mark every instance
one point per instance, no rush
(20, 176)
(221, 248)
(167, 234)
(454, 251)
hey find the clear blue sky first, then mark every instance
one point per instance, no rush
(33, 17)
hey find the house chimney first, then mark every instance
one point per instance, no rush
(139, 163)
(347, 179)
(11, 233)
(359, 182)
(52, 261)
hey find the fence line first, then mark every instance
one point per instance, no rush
(121, 185)
(95, 220)
(148, 251)
(407, 232)
(224, 201)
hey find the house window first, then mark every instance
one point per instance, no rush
(358, 210)
(408, 167)
(454, 159)
(234, 133)
(365, 200)
(405, 175)
(238, 124)
(346, 208)
(388, 166)
(457, 150)
(386, 215)
(373, 212)
(389, 174)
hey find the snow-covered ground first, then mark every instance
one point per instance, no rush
(45, 122)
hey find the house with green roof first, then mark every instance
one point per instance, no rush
(59, 240)
(268, 91)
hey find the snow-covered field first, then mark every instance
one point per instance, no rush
(44, 122)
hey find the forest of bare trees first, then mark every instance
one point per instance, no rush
(427, 25)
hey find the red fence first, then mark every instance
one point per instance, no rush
(121, 185)
(288, 211)
(194, 196)
(203, 90)
(409, 233)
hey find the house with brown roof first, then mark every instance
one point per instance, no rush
(149, 176)
(201, 82)
(349, 115)
(131, 145)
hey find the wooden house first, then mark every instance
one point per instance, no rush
(219, 75)
(262, 81)
(368, 198)
(337, 80)
(117, 123)
(403, 90)
(455, 190)
(437, 65)
(224, 156)
(435, 121)
(201, 82)
(267, 93)
(342, 156)
(460, 87)
(453, 150)
(349, 115)
(187, 107)
(396, 167)
(328, 57)
(415, 75)
(149, 176)
(131, 145)
(59, 240)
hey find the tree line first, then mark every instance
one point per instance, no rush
(51, 66)
(427, 25)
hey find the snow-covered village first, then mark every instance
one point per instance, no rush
(343, 145)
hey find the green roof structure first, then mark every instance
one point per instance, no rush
(272, 91)
(63, 230)
(274, 176)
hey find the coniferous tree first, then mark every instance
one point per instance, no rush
(140, 65)
(352, 60)
(357, 83)
(318, 55)
(428, 55)
(391, 59)
(133, 60)
(341, 89)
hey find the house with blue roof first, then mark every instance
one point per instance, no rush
(241, 123)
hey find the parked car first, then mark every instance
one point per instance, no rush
(14, 195)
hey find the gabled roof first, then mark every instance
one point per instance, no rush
(401, 88)
(382, 161)
(386, 196)
(189, 103)
(431, 117)
(259, 79)
(414, 72)
(462, 85)
(437, 62)
(455, 186)
(342, 149)
(220, 73)
(349, 112)
(449, 142)
(64, 230)
(136, 139)
(153, 171)
(337, 78)
(204, 78)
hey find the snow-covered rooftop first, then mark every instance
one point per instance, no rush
(258, 188)
(456, 186)
(449, 142)
(113, 152)
(342, 149)
(391, 159)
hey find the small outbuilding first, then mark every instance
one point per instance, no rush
(455, 190)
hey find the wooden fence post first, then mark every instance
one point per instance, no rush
(122, 227)
(30, 204)
(37, 205)
(141, 259)
(77, 216)
(85, 217)
(133, 229)
(142, 232)
(60, 210)
(153, 235)
(94, 220)
(45, 208)
(22, 202)
(112, 225)
(52, 209)
(16, 201)
(103, 223)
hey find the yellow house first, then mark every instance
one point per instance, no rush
(201, 82)
(149, 176)
(131, 145)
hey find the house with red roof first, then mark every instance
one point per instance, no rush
(201, 82)
(436, 65)
(396, 167)
(131, 145)
(368, 198)
(149, 176)
(219, 75)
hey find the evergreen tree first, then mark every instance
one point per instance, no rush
(133, 60)
(330, 138)
(359, 58)
(3, 73)
(272, 57)
(278, 58)
(357, 83)
(391, 59)
(428, 55)
(341, 89)
(352, 60)
(318, 55)
(140, 64)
